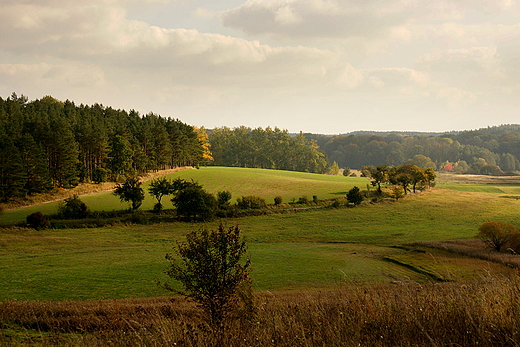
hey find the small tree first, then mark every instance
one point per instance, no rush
(159, 188)
(497, 234)
(73, 208)
(131, 191)
(346, 171)
(210, 267)
(354, 196)
(334, 169)
(223, 198)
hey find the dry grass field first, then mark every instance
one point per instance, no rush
(476, 313)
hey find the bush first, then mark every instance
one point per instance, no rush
(223, 198)
(37, 221)
(195, 204)
(212, 271)
(497, 234)
(354, 196)
(278, 200)
(315, 199)
(73, 208)
(251, 202)
(397, 192)
(303, 200)
(335, 204)
(346, 171)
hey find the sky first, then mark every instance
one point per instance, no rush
(318, 66)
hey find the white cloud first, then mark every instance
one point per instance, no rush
(347, 19)
(425, 59)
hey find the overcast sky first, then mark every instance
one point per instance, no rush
(321, 66)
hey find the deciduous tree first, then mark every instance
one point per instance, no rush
(131, 191)
(211, 269)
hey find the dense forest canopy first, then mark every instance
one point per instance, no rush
(266, 148)
(47, 143)
(485, 151)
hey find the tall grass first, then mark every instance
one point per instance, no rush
(481, 313)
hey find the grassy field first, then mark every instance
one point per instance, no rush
(289, 185)
(360, 276)
(313, 249)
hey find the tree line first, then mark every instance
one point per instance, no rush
(266, 148)
(486, 151)
(47, 143)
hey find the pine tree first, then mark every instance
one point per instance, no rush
(12, 178)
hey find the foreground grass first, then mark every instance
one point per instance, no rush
(479, 313)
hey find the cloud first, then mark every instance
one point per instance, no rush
(293, 19)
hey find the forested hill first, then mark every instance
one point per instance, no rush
(47, 143)
(492, 150)
(266, 148)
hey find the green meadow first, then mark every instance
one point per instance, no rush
(315, 249)
(289, 185)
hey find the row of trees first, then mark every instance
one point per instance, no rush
(476, 154)
(266, 148)
(408, 176)
(47, 143)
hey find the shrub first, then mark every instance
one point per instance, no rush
(303, 200)
(315, 199)
(37, 221)
(278, 200)
(335, 204)
(195, 204)
(73, 208)
(346, 171)
(497, 234)
(397, 192)
(251, 202)
(223, 198)
(354, 196)
(211, 270)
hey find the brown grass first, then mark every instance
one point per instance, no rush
(483, 313)
(450, 178)
(474, 249)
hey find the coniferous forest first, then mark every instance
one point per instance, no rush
(47, 143)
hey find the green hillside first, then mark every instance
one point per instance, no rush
(312, 249)
(239, 181)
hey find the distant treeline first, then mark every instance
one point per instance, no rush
(266, 148)
(47, 143)
(484, 151)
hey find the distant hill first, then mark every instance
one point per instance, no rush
(491, 150)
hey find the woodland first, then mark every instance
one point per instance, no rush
(49, 144)
(492, 150)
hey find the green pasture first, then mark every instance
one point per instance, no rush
(312, 249)
(289, 185)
